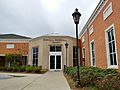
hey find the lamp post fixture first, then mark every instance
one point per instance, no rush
(66, 45)
(76, 17)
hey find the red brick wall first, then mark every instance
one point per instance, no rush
(100, 25)
(19, 48)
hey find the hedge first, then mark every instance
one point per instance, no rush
(101, 79)
(28, 69)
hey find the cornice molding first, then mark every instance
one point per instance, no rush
(97, 10)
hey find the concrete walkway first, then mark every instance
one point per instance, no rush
(48, 81)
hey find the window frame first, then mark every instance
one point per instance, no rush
(91, 54)
(83, 39)
(107, 49)
(83, 53)
(10, 46)
(35, 59)
(75, 55)
(107, 8)
(57, 48)
(91, 29)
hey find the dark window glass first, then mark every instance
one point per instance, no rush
(58, 48)
(52, 48)
(110, 47)
(75, 56)
(58, 62)
(115, 60)
(109, 36)
(112, 34)
(52, 62)
(93, 53)
(113, 46)
(35, 56)
(111, 59)
(112, 51)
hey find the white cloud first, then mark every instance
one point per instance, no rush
(38, 17)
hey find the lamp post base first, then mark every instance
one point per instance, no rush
(78, 83)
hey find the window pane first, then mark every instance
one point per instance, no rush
(52, 48)
(110, 47)
(109, 37)
(92, 46)
(93, 55)
(93, 60)
(112, 34)
(111, 59)
(58, 48)
(35, 56)
(36, 49)
(115, 61)
(113, 43)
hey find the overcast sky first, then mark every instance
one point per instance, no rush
(38, 17)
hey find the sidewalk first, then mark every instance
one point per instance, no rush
(48, 81)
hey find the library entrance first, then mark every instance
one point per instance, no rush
(55, 58)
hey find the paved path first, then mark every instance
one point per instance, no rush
(48, 81)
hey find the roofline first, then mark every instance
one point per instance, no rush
(23, 37)
(97, 10)
(51, 36)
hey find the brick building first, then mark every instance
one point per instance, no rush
(13, 44)
(100, 37)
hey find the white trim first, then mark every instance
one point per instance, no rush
(107, 51)
(15, 40)
(55, 54)
(83, 52)
(83, 39)
(2, 54)
(91, 53)
(93, 16)
(91, 30)
(109, 7)
(10, 46)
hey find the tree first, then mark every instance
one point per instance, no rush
(14, 59)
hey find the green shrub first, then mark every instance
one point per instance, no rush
(103, 79)
(9, 69)
(1, 68)
(14, 69)
(29, 68)
(110, 82)
(22, 68)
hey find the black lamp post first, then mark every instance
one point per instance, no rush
(76, 17)
(66, 45)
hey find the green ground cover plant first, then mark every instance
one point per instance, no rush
(26, 69)
(99, 79)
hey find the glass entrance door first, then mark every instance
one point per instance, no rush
(55, 62)
(52, 62)
(58, 62)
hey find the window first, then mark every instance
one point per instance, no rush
(111, 48)
(107, 11)
(75, 56)
(10, 46)
(35, 56)
(83, 52)
(93, 62)
(91, 30)
(55, 48)
(83, 39)
(83, 56)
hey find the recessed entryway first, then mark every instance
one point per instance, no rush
(55, 58)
